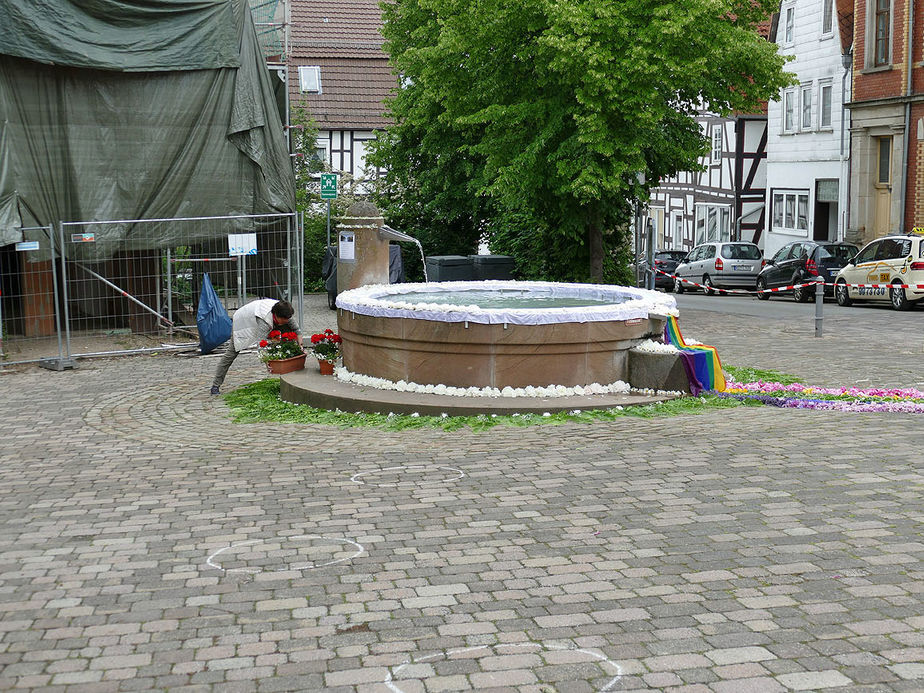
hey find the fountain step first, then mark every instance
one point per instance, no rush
(325, 392)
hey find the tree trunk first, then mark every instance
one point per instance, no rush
(595, 244)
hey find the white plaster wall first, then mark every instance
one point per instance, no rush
(795, 160)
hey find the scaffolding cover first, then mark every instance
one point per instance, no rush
(81, 143)
(123, 35)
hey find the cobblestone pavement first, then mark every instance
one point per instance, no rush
(149, 544)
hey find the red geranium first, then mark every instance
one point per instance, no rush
(281, 345)
(326, 345)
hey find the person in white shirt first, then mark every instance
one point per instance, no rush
(251, 323)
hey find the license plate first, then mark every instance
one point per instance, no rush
(742, 267)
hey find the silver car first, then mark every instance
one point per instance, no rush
(722, 265)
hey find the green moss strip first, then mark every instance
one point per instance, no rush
(259, 403)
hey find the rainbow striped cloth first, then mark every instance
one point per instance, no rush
(700, 361)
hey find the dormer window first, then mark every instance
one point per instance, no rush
(309, 79)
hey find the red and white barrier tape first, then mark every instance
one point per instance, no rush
(779, 289)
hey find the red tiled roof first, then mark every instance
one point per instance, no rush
(352, 93)
(343, 38)
(335, 28)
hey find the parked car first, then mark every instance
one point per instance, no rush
(666, 261)
(889, 260)
(723, 265)
(803, 261)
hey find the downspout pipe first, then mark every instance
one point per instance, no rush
(906, 136)
(847, 63)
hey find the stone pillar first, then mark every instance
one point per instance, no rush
(369, 264)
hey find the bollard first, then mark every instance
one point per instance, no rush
(819, 304)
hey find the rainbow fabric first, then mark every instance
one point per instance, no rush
(701, 362)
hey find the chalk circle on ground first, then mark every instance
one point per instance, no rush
(324, 551)
(409, 474)
(393, 684)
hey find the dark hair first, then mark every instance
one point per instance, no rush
(283, 310)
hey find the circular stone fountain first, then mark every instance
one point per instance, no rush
(497, 333)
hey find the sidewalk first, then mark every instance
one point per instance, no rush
(150, 544)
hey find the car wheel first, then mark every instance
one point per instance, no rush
(800, 294)
(762, 292)
(707, 282)
(841, 294)
(899, 299)
(678, 286)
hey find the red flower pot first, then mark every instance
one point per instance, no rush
(327, 367)
(280, 366)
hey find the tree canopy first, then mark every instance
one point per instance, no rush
(529, 120)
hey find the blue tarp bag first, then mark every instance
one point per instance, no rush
(212, 319)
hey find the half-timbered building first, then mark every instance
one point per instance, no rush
(724, 200)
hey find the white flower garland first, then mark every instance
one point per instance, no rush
(619, 387)
(651, 347)
(386, 300)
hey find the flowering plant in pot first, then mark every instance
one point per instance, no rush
(281, 346)
(325, 346)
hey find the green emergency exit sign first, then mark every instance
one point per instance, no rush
(328, 186)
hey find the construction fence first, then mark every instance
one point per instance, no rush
(93, 288)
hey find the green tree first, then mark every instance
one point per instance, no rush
(529, 120)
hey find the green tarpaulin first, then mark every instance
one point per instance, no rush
(83, 143)
(123, 35)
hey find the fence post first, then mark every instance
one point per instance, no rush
(819, 303)
(61, 362)
(169, 292)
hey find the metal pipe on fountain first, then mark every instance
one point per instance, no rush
(390, 234)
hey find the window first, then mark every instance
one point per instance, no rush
(827, 16)
(868, 253)
(885, 156)
(321, 147)
(802, 215)
(882, 32)
(806, 121)
(789, 110)
(716, 157)
(893, 249)
(778, 211)
(309, 79)
(712, 223)
(741, 251)
(782, 253)
(790, 21)
(678, 230)
(826, 92)
(790, 212)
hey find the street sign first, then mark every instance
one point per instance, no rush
(328, 186)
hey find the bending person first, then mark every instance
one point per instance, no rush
(251, 323)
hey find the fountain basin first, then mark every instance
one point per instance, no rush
(468, 334)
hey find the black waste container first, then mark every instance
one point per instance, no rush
(492, 266)
(449, 268)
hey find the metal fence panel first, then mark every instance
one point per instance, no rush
(29, 298)
(120, 290)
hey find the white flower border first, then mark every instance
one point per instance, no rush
(551, 391)
(650, 346)
(384, 300)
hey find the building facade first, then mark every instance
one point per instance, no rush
(338, 70)
(887, 118)
(807, 133)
